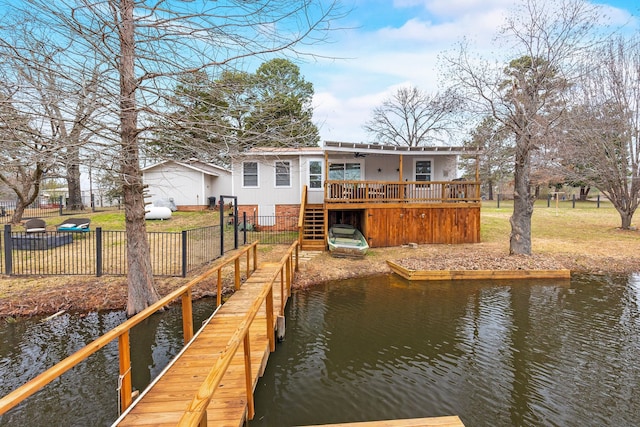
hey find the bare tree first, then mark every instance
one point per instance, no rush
(411, 117)
(24, 155)
(526, 95)
(496, 151)
(148, 46)
(57, 110)
(602, 136)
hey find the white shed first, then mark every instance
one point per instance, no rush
(189, 184)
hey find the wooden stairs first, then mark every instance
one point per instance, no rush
(313, 238)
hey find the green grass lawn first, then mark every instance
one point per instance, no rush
(114, 220)
(553, 228)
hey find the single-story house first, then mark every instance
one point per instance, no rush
(191, 185)
(394, 195)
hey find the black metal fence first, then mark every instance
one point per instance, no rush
(42, 207)
(101, 252)
(268, 229)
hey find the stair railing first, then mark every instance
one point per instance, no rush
(303, 208)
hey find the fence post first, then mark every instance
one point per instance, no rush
(498, 200)
(221, 226)
(98, 251)
(60, 206)
(598, 205)
(244, 227)
(549, 200)
(573, 200)
(8, 249)
(184, 253)
(235, 224)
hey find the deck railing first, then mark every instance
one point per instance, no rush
(402, 192)
(121, 332)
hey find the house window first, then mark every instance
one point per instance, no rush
(344, 171)
(423, 170)
(250, 174)
(315, 174)
(283, 174)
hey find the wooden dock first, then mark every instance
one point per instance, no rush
(180, 385)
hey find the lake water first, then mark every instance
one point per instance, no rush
(537, 353)
(493, 353)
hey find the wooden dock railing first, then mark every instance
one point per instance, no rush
(195, 414)
(121, 332)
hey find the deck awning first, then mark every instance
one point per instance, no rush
(363, 148)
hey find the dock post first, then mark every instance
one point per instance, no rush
(124, 382)
(280, 328)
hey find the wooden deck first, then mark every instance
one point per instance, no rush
(166, 401)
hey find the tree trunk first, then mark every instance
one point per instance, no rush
(141, 292)
(626, 221)
(27, 189)
(520, 240)
(17, 213)
(490, 184)
(584, 192)
(73, 184)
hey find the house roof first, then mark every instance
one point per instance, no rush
(358, 147)
(206, 168)
(285, 151)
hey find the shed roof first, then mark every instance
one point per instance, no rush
(197, 165)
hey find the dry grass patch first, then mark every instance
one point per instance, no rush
(585, 239)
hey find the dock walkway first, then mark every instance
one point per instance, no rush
(165, 402)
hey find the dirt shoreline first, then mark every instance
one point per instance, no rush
(39, 296)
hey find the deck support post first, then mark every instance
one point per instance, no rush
(219, 289)
(288, 280)
(187, 317)
(236, 268)
(248, 270)
(270, 322)
(280, 328)
(124, 351)
(255, 257)
(283, 296)
(247, 374)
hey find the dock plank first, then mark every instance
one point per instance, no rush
(165, 401)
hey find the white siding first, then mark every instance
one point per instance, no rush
(184, 186)
(187, 186)
(267, 193)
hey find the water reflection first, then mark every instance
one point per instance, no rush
(531, 353)
(494, 353)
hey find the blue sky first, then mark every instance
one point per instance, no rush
(391, 44)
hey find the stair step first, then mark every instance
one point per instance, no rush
(313, 229)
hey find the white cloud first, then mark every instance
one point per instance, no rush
(378, 61)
